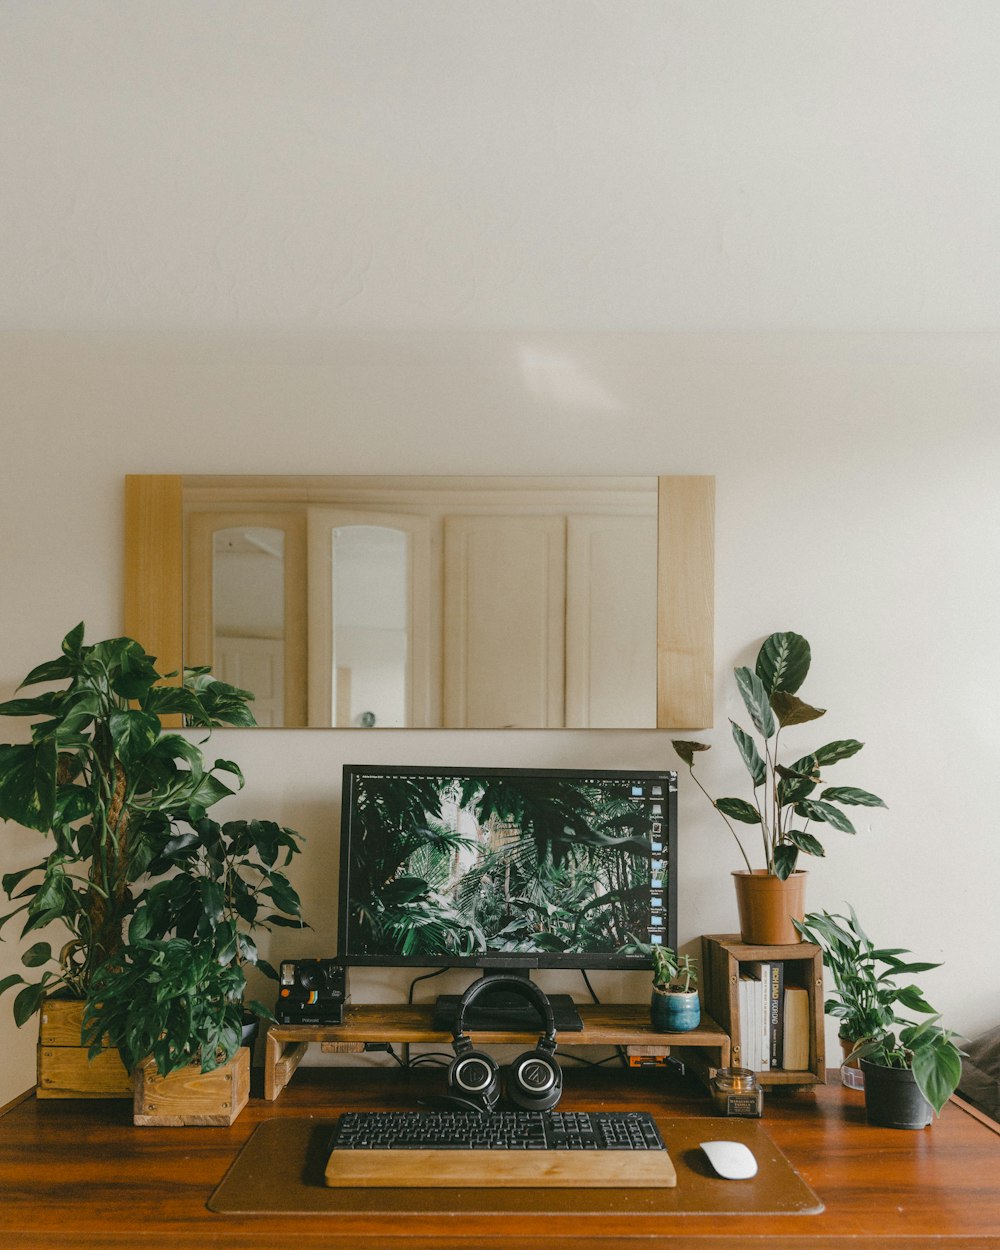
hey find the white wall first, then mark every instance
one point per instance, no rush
(754, 241)
(857, 504)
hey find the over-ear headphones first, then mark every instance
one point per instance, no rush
(535, 1081)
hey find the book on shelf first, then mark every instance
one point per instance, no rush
(752, 1018)
(768, 989)
(795, 1051)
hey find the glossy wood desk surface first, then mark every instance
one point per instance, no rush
(79, 1175)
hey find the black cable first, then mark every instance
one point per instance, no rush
(586, 980)
(424, 977)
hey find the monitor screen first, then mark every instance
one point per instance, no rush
(507, 867)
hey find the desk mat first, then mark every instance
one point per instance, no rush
(280, 1171)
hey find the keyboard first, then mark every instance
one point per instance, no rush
(518, 1149)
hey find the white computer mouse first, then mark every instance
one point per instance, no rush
(730, 1159)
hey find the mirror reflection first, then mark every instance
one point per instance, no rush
(477, 602)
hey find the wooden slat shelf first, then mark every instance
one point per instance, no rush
(608, 1024)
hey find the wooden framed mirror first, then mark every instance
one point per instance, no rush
(422, 602)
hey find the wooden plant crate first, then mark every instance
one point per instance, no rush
(64, 1069)
(190, 1096)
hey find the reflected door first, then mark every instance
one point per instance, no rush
(245, 607)
(372, 662)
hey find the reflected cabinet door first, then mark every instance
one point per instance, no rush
(504, 648)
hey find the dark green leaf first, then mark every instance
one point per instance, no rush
(834, 751)
(816, 809)
(37, 955)
(28, 1002)
(793, 787)
(910, 996)
(851, 794)
(134, 734)
(73, 642)
(28, 784)
(755, 698)
(51, 670)
(165, 700)
(686, 750)
(937, 1069)
(751, 756)
(805, 842)
(783, 662)
(40, 705)
(790, 710)
(284, 922)
(134, 674)
(785, 859)
(8, 982)
(739, 809)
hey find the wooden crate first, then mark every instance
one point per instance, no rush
(722, 955)
(190, 1096)
(64, 1069)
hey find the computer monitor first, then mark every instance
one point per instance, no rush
(507, 869)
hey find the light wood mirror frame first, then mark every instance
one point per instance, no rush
(685, 587)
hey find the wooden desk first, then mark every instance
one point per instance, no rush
(75, 1176)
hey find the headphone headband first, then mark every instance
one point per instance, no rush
(520, 986)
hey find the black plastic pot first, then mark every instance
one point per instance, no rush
(892, 1098)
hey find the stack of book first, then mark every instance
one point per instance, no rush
(774, 1019)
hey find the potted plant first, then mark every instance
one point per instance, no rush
(864, 979)
(910, 1073)
(785, 800)
(101, 778)
(675, 1006)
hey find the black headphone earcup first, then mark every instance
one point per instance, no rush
(475, 1076)
(535, 1081)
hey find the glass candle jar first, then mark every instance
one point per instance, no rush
(736, 1091)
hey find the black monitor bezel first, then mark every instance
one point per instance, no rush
(493, 960)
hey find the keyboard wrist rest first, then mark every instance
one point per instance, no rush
(502, 1169)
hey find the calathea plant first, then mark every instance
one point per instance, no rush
(785, 799)
(111, 790)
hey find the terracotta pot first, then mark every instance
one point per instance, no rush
(767, 906)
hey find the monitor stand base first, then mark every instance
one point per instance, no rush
(515, 1015)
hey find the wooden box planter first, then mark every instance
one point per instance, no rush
(190, 1096)
(64, 1070)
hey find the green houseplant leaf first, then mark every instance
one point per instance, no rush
(783, 662)
(755, 699)
(782, 791)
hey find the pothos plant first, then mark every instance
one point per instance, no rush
(124, 802)
(785, 799)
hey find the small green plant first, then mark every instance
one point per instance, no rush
(173, 999)
(672, 971)
(864, 976)
(865, 1001)
(784, 802)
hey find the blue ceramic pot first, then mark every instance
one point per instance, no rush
(675, 1013)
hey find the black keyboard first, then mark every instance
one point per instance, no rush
(519, 1148)
(504, 1130)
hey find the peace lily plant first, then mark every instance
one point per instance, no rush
(786, 807)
